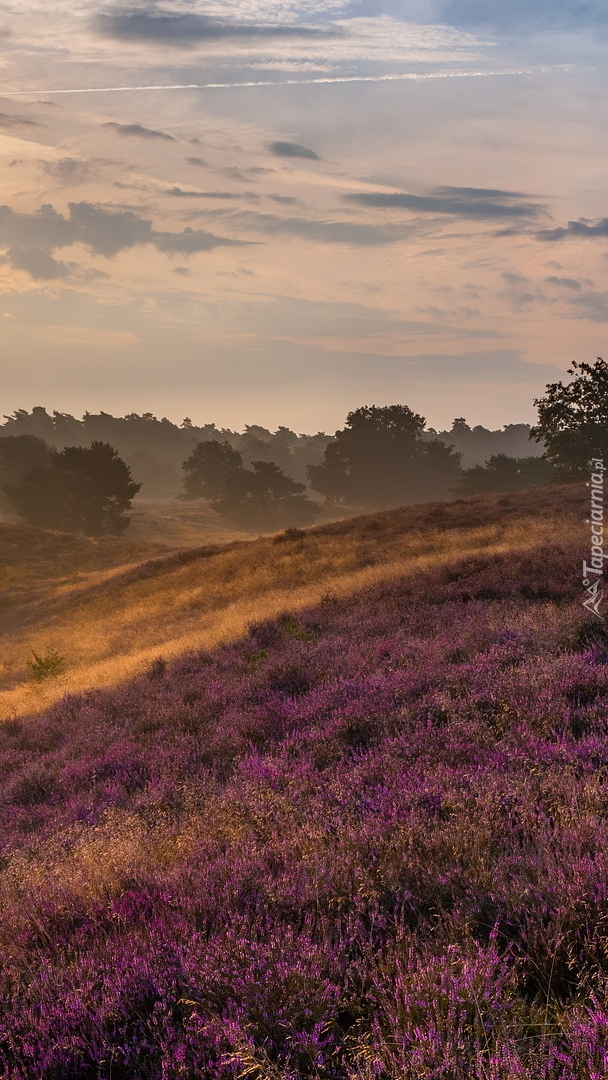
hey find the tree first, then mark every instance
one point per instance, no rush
(264, 497)
(459, 424)
(573, 420)
(210, 467)
(380, 459)
(19, 454)
(260, 497)
(83, 489)
(503, 473)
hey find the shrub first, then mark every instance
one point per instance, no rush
(45, 667)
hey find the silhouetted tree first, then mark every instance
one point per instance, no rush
(19, 454)
(573, 420)
(209, 469)
(380, 459)
(83, 489)
(260, 497)
(265, 497)
(503, 473)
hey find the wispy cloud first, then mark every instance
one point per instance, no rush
(286, 200)
(564, 283)
(8, 122)
(139, 131)
(68, 170)
(475, 203)
(183, 193)
(186, 29)
(581, 228)
(357, 234)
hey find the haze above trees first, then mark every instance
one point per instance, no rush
(383, 456)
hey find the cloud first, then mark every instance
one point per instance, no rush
(521, 291)
(294, 150)
(325, 232)
(564, 282)
(476, 203)
(183, 193)
(575, 228)
(8, 121)
(46, 229)
(286, 200)
(248, 175)
(68, 170)
(106, 232)
(32, 239)
(138, 130)
(198, 161)
(591, 305)
(476, 193)
(191, 241)
(185, 29)
(38, 263)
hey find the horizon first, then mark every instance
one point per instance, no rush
(8, 418)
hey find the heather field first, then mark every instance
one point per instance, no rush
(366, 840)
(110, 607)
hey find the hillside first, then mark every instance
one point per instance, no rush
(111, 607)
(364, 840)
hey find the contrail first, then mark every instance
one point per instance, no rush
(413, 76)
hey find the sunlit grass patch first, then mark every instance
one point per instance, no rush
(112, 625)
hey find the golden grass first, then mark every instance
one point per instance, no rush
(115, 611)
(175, 523)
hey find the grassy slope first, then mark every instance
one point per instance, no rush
(366, 841)
(176, 523)
(111, 607)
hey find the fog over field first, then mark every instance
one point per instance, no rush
(264, 212)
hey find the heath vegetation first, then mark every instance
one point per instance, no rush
(109, 608)
(328, 803)
(366, 839)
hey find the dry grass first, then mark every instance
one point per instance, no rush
(177, 524)
(110, 607)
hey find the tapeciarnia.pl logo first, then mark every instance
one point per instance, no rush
(593, 572)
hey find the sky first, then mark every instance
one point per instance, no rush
(275, 211)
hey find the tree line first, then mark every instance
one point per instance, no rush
(383, 456)
(154, 449)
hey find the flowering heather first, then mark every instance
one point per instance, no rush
(110, 623)
(368, 841)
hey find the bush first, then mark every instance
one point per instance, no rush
(45, 667)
